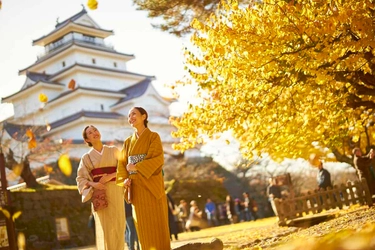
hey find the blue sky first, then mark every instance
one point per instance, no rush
(22, 21)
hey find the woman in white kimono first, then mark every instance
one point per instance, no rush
(97, 170)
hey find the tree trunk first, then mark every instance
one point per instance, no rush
(28, 176)
(26, 173)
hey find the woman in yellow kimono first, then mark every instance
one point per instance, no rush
(140, 171)
(97, 170)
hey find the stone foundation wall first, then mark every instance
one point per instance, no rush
(40, 210)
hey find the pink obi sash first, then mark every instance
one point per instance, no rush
(97, 173)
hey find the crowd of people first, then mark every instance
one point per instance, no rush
(190, 217)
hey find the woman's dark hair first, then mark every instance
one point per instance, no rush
(84, 135)
(143, 112)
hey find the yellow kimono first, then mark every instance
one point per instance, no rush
(109, 222)
(150, 210)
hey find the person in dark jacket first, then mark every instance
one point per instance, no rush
(362, 164)
(173, 226)
(323, 177)
(273, 192)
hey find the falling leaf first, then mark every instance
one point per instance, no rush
(32, 140)
(16, 215)
(72, 84)
(17, 169)
(48, 169)
(92, 4)
(65, 165)
(32, 143)
(5, 212)
(43, 98)
(29, 133)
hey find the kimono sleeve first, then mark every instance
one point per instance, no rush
(122, 173)
(154, 160)
(83, 175)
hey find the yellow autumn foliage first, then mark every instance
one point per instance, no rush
(287, 79)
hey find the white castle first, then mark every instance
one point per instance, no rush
(86, 82)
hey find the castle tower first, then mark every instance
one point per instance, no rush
(86, 82)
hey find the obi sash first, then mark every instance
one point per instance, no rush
(97, 173)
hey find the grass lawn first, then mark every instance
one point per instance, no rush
(350, 229)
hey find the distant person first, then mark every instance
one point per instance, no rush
(231, 211)
(210, 210)
(273, 192)
(247, 203)
(173, 226)
(194, 223)
(131, 236)
(183, 213)
(222, 214)
(323, 177)
(362, 164)
(239, 208)
(324, 181)
(253, 208)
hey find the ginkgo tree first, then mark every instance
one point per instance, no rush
(290, 79)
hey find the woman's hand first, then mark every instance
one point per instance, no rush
(98, 185)
(107, 177)
(131, 167)
(127, 183)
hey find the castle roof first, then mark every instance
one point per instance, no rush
(71, 24)
(135, 90)
(52, 77)
(72, 18)
(78, 44)
(85, 113)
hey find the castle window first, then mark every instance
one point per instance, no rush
(115, 64)
(93, 61)
(102, 107)
(89, 39)
(63, 64)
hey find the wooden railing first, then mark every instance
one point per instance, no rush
(318, 200)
